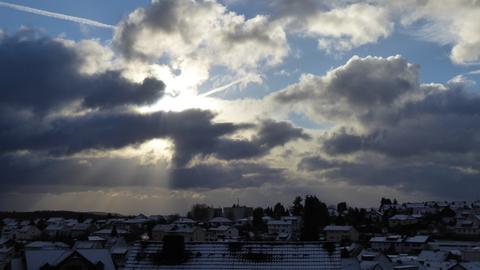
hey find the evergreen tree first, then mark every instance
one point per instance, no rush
(199, 212)
(278, 211)
(257, 221)
(315, 217)
(341, 207)
(297, 208)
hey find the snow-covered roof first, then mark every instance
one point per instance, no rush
(95, 238)
(109, 231)
(350, 264)
(432, 255)
(35, 259)
(279, 222)
(55, 219)
(54, 227)
(390, 238)
(27, 228)
(402, 217)
(184, 220)
(81, 226)
(292, 218)
(417, 239)
(99, 255)
(338, 228)
(222, 228)
(45, 245)
(86, 244)
(173, 228)
(248, 255)
(220, 220)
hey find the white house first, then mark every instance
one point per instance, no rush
(28, 232)
(401, 220)
(336, 233)
(280, 227)
(222, 233)
(220, 221)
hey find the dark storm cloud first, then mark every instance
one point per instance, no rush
(273, 134)
(440, 180)
(232, 175)
(23, 170)
(393, 130)
(42, 74)
(317, 163)
(192, 131)
(270, 134)
(355, 89)
(42, 132)
(445, 121)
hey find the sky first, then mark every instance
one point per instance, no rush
(153, 106)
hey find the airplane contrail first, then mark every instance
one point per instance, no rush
(56, 15)
(224, 87)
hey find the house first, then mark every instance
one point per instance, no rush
(296, 226)
(220, 221)
(66, 259)
(280, 227)
(421, 208)
(391, 243)
(56, 220)
(468, 224)
(401, 220)
(9, 231)
(189, 233)
(397, 244)
(28, 232)
(119, 252)
(109, 233)
(134, 224)
(415, 244)
(372, 260)
(185, 221)
(53, 230)
(222, 233)
(233, 255)
(336, 233)
(7, 252)
(374, 215)
(80, 230)
(87, 244)
(10, 222)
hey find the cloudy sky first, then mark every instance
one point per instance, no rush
(138, 106)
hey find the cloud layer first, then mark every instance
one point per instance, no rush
(390, 129)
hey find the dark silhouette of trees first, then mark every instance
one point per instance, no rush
(297, 207)
(341, 207)
(268, 212)
(257, 222)
(385, 201)
(279, 211)
(199, 212)
(315, 217)
(114, 232)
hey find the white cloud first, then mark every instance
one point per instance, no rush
(338, 27)
(452, 22)
(196, 35)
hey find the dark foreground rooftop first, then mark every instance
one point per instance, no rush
(233, 255)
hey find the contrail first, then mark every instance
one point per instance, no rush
(224, 87)
(56, 15)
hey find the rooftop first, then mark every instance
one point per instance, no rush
(248, 255)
